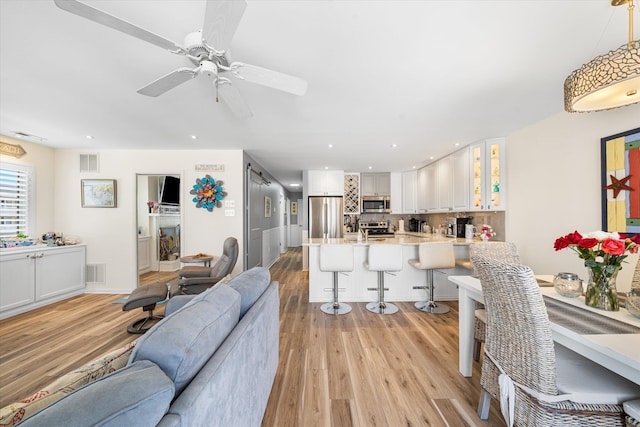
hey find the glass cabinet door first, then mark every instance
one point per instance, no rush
(488, 175)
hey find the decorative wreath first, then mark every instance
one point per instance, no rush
(208, 193)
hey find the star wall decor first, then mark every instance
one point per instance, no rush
(617, 185)
(208, 193)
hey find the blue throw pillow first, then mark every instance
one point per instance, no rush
(182, 343)
(250, 285)
(136, 394)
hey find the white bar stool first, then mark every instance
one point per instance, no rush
(383, 258)
(433, 255)
(336, 258)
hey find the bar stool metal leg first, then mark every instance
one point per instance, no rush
(335, 307)
(430, 306)
(381, 307)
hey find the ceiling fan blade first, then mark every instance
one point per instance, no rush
(234, 100)
(270, 78)
(168, 82)
(221, 20)
(96, 15)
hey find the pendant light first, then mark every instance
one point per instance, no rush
(607, 81)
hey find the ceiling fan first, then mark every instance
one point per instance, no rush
(207, 49)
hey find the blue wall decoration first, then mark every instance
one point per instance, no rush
(208, 193)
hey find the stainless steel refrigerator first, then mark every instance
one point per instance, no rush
(325, 217)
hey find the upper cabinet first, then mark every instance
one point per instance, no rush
(488, 175)
(396, 193)
(375, 184)
(443, 186)
(325, 182)
(421, 189)
(460, 180)
(409, 192)
(444, 178)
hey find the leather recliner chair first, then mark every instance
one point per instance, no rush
(196, 279)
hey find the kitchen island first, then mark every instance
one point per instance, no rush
(354, 286)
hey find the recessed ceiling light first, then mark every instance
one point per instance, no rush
(194, 136)
(294, 185)
(456, 144)
(413, 167)
(370, 167)
(431, 158)
(394, 145)
(326, 167)
(89, 136)
(330, 145)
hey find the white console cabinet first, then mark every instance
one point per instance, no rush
(34, 277)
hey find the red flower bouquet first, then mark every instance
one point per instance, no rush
(603, 254)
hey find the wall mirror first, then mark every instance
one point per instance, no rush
(159, 226)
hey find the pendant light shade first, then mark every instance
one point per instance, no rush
(608, 81)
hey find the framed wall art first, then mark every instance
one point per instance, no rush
(98, 193)
(620, 158)
(267, 207)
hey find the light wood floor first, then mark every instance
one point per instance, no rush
(359, 369)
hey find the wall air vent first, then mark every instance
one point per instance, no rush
(89, 163)
(96, 274)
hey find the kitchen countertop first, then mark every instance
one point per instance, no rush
(35, 247)
(400, 238)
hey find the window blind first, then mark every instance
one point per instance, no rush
(14, 201)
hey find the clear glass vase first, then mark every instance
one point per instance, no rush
(601, 291)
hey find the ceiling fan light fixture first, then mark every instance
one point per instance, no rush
(607, 81)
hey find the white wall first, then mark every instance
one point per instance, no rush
(553, 171)
(111, 234)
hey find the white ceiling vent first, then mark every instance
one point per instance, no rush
(89, 163)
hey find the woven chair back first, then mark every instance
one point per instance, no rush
(518, 330)
(505, 251)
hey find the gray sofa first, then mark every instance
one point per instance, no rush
(210, 362)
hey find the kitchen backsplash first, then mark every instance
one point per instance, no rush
(494, 219)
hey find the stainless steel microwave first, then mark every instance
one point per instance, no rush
(376, 204)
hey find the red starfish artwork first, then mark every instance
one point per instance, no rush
(617, 185)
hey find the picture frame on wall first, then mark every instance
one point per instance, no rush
(267, 207)
(98, 193)
(620, 182)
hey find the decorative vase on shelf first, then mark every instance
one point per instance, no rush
(601, 291)
(150, 209)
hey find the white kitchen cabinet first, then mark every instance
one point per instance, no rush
(397, 197)
(325, 182)
(422, 189)
(375, 184)
(34, 277)
(488, 172)
(444, 180)
(432, 187)
(460, 181)
(409, 192)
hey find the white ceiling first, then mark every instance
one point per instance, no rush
(424, 75)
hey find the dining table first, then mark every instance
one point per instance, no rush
(609, 338)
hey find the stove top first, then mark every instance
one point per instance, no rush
(376, 228)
